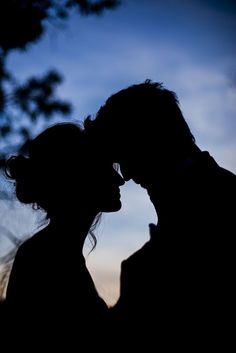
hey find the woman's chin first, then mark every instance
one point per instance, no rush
(114, 207)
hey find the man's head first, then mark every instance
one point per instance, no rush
(143, 129)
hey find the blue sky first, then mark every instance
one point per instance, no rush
(189, 45)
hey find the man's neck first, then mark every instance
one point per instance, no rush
(168, 189)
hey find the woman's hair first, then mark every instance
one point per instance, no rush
(51, 154)
(53, 158)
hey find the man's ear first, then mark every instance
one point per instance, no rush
(184, 167)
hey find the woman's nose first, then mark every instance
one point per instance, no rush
(120, 180)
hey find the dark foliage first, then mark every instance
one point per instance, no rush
(23, 22)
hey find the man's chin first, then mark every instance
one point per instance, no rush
(143, 184)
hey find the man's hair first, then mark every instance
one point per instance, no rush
(144, 114)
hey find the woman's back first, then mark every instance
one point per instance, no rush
(50, 292)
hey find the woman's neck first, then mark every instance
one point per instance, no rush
(73, 228)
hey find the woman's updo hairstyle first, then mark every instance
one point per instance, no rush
(19, 168)
(51, 157)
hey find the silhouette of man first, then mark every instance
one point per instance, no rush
(177, 290)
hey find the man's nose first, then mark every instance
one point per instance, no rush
(125, 173)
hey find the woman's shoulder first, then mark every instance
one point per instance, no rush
(33, 245)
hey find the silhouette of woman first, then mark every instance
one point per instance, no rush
(50, 292)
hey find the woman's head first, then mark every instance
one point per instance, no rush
(63, 175)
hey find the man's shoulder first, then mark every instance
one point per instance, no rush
(137, 254)
(144, 254)
(214, 166)
(227, 175)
